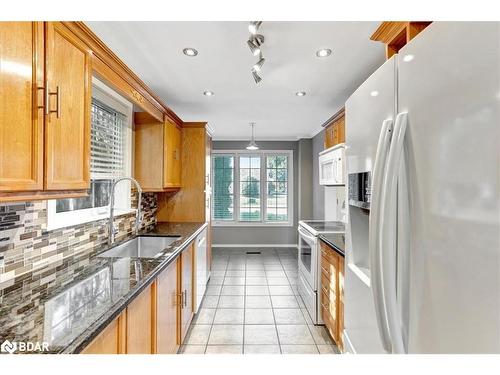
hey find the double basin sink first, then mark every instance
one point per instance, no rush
(141, 247)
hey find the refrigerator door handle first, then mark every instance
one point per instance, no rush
(374, 232)
(388, 233)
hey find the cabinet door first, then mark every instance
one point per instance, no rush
(186, 289)
(341, 130)
(172, 156)
(21, 121)
(166, 311)
(329, 136)
(67, 126)
(139, 324)
(108, 341)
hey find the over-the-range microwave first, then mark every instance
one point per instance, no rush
(332, 166)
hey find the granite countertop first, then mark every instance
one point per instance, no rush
(335, 240)
(66, 305)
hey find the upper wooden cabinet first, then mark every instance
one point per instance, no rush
(157, 153)
(45, 93)
(21, 113)
(396, 34)
(172, 155)
(67, 130)
(335, 131)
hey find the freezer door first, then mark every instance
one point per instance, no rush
(366, 110)
(449, 84)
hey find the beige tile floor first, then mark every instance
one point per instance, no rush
(252, 307)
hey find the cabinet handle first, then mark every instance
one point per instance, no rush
(57, 94)
(184, 298)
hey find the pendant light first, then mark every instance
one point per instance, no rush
(252, 146)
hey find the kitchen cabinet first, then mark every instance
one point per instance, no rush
(172, 155)
(21, 117)
(109, 341)
(157, 320)
(166, 311)
(68, 97)
(157, 153)
(139, 317)
(335, 131)
(396, 34)
(186, 281)
(45, 133)
(332, 292)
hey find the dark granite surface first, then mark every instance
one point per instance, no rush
(335, 240)
(66, 305)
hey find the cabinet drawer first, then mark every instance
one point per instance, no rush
(329, 301)
(325, 267)
(329, 255)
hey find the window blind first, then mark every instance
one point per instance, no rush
(107, 140)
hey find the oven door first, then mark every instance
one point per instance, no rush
(308, 257)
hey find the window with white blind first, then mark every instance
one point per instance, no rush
(252, 188)
(110, 158)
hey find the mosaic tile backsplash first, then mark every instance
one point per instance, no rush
(26, 245)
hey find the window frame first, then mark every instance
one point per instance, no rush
(57, 220)
(263, 190)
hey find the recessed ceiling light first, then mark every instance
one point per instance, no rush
(300, 93)
(408, 58)
(208, 93)
(190, 52)
(374, 93)
(324, 52)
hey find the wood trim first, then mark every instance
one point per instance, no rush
(335, 117)
(387, 30)
(194, 125)
(107, 74)
(108, 58)
(40, 195)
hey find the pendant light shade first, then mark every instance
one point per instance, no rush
(252, 146)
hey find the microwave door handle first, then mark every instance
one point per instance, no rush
(389, 233)
(374, 229)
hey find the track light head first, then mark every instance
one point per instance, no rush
(253, 27)
(258, 65)
(256, 77)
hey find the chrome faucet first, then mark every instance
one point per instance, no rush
(112, 230)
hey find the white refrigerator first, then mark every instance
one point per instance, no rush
(423, 260)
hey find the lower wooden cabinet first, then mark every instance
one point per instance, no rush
(110, 340)
(157, 320)
(332, 292)
(166, 311)
(139, 332)
(186, 290)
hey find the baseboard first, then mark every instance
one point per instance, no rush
(255, 245)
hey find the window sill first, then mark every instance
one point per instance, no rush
(250, 225)
(64, 221)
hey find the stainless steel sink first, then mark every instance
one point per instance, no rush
(140, 247)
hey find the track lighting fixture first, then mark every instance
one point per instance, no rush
(253, 27)
(255, 43)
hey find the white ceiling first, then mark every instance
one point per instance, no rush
(153, 50)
